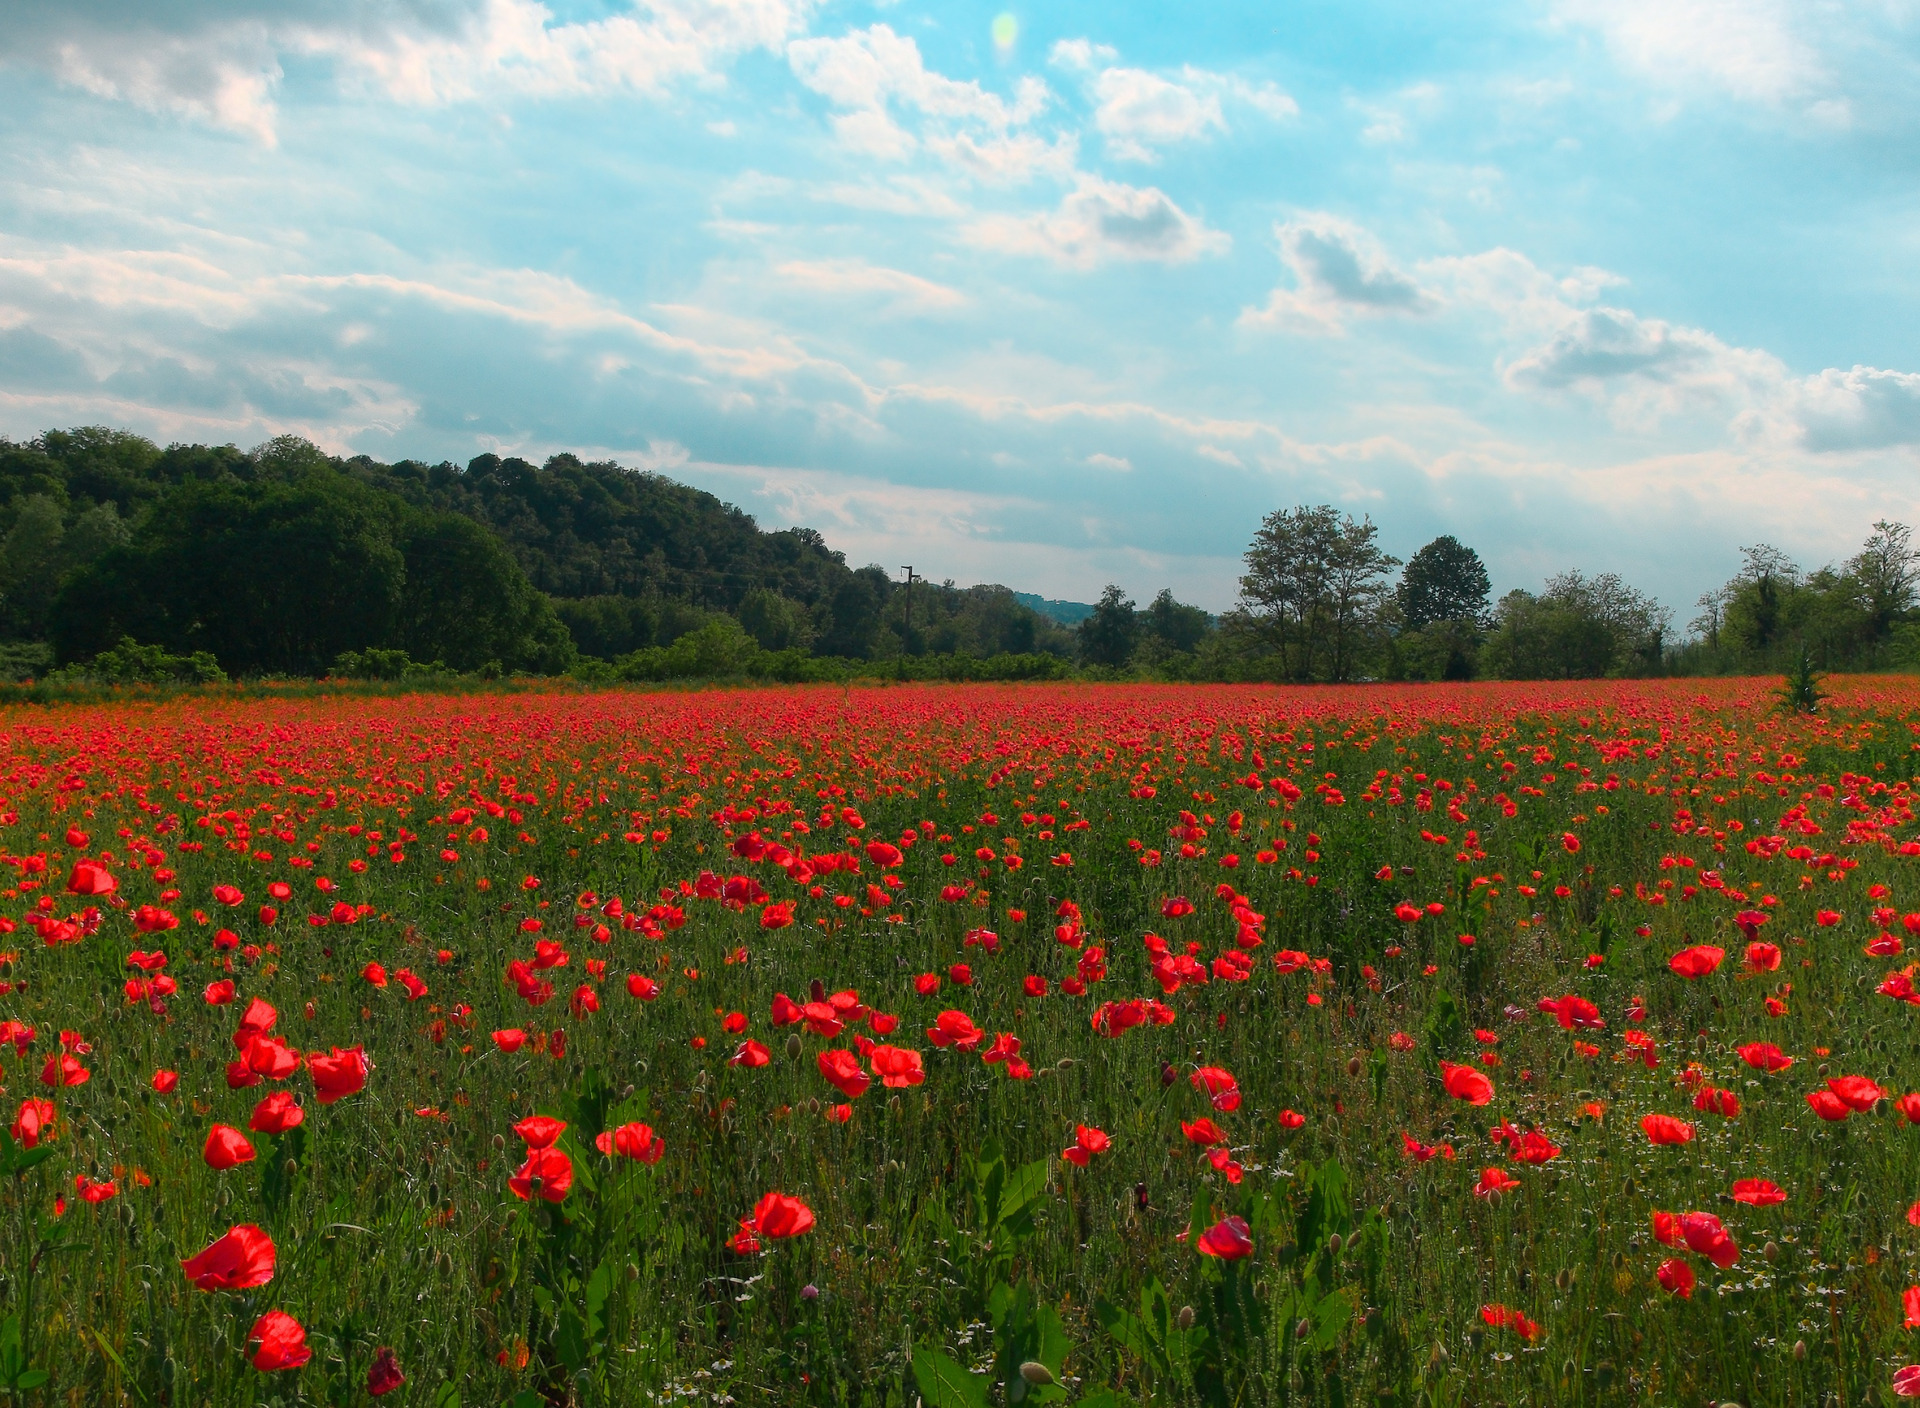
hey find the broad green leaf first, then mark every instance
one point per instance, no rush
(944, 1384)
(1018, 1192)
(447, 1396)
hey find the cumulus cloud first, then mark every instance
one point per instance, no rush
(1750, 49)
(898, 290)
(222, 63)
(1339, 271)
(1137, 112)
(1080, 55)
(1102, 220)
(1861, 409)
(868, 73)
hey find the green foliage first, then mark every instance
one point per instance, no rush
(1109, 635)
(1579, 627)
(1313, 589)
(1800, 692)
(129, 662)
(1444, 581)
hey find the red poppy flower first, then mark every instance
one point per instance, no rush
(1763, 958)
(751, 1054)
(1758, 1192)
(226, 1147)
(540, 1131)
(778, 1215)
(510, 1040)
(277, 1114)
(632, 1141)
(90, 878)
(1494, 1180)
(1856, 1092)
(1676, 1276)
(1218, 1086)
(1228, 1239)
(339, 1074)
(1466, 1083)
(552, 1168)
(1706, 1237)
(165, 1082)
(843, 1072)
(1698, 961)
(1665, 1129)
(955, 1029)
(896, 1066)
(384, 1375)
(1087, 1141)
(1203, 1131)
(1765, 1056)
(278, 1342)
(242, 1258)
(1291, 1119)
(1910, 1107)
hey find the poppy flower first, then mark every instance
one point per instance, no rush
(1466, 1083)
(228, 895)
(1765, 1056)
(277, 1114)
(165, 1082)
(1856, 1092)
(778, 1215)
(1665, 1129)
(220, 993)
(1910, 1303)
(1494, 1180)
(1203, 1131)
(927, 984)
(1676, 1276)
(751, 1054)
(226, 1147)
(634, 1141)
(1574, 1012)
(1758, 1192)
(1828, 1106)
(279, 1342)
(510, 1040)
(896, 1066)
(843, 1072)
(955, 1029)
(1291, 1119)
(1087, 1141)
(1698, 961)
(552, 1168)
(383, 1375)
(91, 1192)
(1763, 958)
(1717, 1102)
(242, 1258)
(540, 1131)
(1228, 1239)
(1666, 1229)
(90, 878)
(643, 987)
(1218, 1086)
(64, 1070)
(1501, 1317)
(1910, 1107)
(339, 1074)
(838, 1114)
(1706, 1237)
(272, 1057)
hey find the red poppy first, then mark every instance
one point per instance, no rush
(778, 1215)
(1763, 958)
(1203, 1131)
(843, 1072)
(1828, 1106)
(634, 1141)
(165, 1082)
(339, 1074)
(1228, 1239)
(1856, 1092)
(1765, 1056)
(1758, 1192)
(540, 1131)
(1665, 1129)
(384, 1375)
(1698, 961)
(1219, 1086)
(1706, 1237)
(90, 878)
(278, 1342)
(1676, 1276)
(219, 993)
(242, 1258)
(228, 895)
(277, 1114)
(1494, 1180)
(1910, 1107)
(1501, 1317)
(1906, 1382)
(1466, 1083)
(510, 1040)
(1087, 1141)
(552, 1168)
(642, 987)
(1714, 1101)
(955, 1029)
(751, 1054)
(896, 1066)
(226, 1147)
(1291, 1119)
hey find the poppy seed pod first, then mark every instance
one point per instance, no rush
(1334, 1244)
(1354, 1066)
(1185, 1318)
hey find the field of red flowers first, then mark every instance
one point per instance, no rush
(963, 1045)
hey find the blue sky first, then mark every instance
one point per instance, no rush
(1051, 297)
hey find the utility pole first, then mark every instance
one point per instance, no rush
(910, 581)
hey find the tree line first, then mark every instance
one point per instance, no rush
(121, 560)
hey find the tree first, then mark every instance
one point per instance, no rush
(465, 602)
(1108, 636)
(1886, 570)
(1313, 588)
(32, 561)
(775, 622)
(1175, 625)
(1579, 627)
(1444, 581)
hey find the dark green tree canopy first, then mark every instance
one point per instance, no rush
(1108, 636)
(1444, 581)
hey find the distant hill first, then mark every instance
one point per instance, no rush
(1067, 613)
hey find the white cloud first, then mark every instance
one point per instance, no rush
(900, 291)
(1008, 160)
(869, 70)
(223, 70)
(1750, 49)
(1117, 463)
(1101, 220)
(1862, 409)
(1081, 55)
(1339, 270)
(1137, 111)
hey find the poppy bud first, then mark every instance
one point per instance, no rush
(1476, 1337)
(1167, 1074)
(1771, 1251)
(1140, 1196)
(1565, 1279)
(1334, 1244)
(818, 990)
(793, 1047)
(1065, 1063)
(1296, 1380)
(1493, 1197)
(1034, 1372)
(1568, 1369)
(1302, 1328)
(499, 1141)
(633, 1272)
(290, 1168)
(1354, 1066)
(1185, 1318)
(1799, 1349)
(894, 1106)
(1439, 1358)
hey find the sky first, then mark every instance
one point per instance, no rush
(1053, 296)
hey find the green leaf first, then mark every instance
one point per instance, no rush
(570, 1340)
(24, 1159)
(526, 1398)
(446, 1396)
(944, 1384)
(1104, 1398)
(126, 1379)
(31, 1380)
(13, 1354)
(1016, 1196)
(1330, 1318)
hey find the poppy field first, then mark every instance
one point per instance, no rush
(963, 1045)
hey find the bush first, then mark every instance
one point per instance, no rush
(130, 662)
